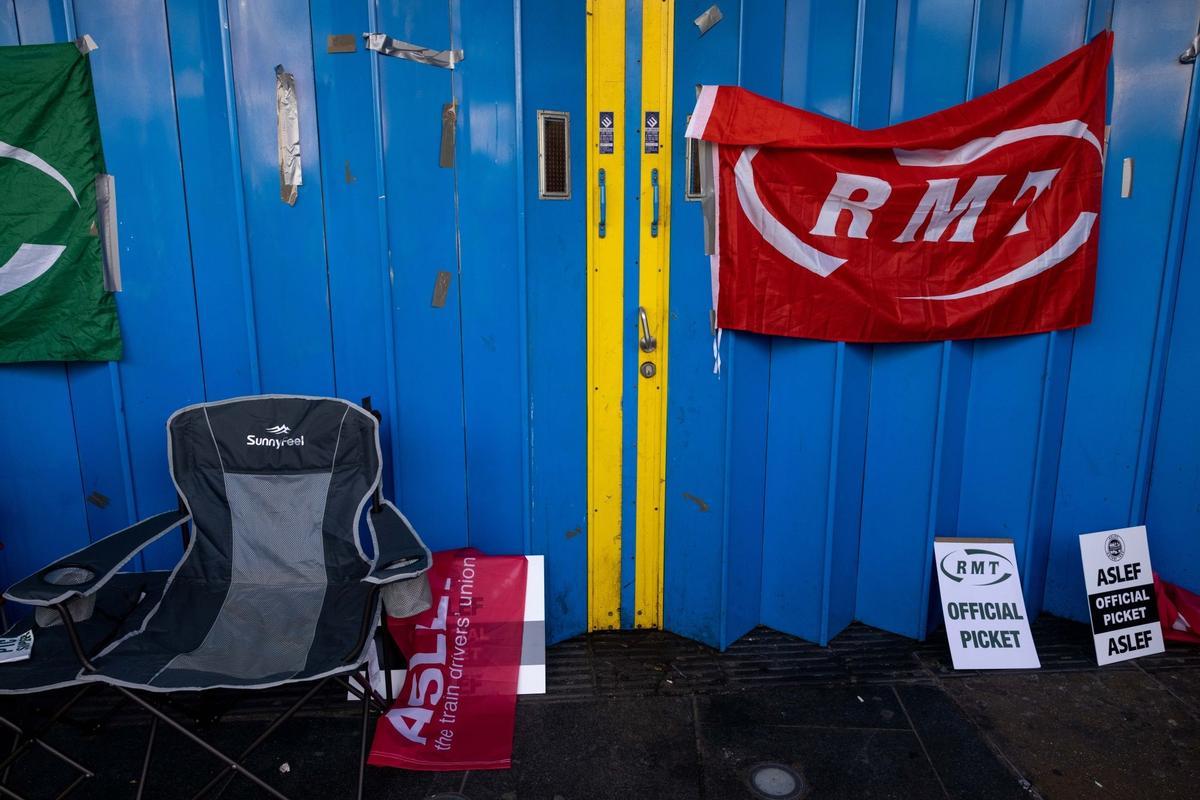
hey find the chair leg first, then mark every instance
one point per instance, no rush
(4, 790)
(70, 787)
(25, 739)
(356, 691)
(362, 745)
(282, 718)
(82, 772)
(28, 738)
(220, 756)
(146, 760)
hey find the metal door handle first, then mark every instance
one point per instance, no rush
(654, 216)
(647, 342)
(603, 204)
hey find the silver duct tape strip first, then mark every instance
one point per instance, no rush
(86, 44)
(708, 202)
(106, 222)
(709, 18)
(287, 124)
(388, 46)
(1189, 55)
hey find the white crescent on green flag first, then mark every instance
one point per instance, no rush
(53, 304)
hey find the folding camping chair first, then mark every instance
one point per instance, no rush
(118, 608)
(274, 586)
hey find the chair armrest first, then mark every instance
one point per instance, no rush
(102, 558)
(399, 552)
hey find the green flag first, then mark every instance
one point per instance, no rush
(53, 305)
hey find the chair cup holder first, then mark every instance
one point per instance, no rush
(80, 608)
(69, 576)
(407, 598)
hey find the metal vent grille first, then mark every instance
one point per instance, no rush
(554, 151)
(695, 188)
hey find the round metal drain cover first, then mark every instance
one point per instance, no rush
(777, 782)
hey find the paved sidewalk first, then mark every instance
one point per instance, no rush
(650, 715)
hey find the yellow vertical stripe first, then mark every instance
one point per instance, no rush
(605, 293)
(653, 295)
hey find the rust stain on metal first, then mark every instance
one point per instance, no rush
(571, 534)
(441, 287)
(703, 506)
(341, 43)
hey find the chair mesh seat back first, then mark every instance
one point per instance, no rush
(271, 586)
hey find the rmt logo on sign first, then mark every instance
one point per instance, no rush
(976, 567)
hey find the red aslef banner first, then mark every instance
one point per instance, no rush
(457, 707)
(979, 220)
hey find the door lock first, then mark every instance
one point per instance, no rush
(648, 369)
(647, 342)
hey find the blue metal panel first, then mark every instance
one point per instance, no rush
(93, 390)
(914, 441)
(1173, 515)
(1011, 444)
(695, 546)
(553, 33)
(204, 100)
(747, 364)
(763, 523)
(629, 123)
(42, 21)
(287, 248)
(161, 370)
(8, 23)
(492, 278)
(808, 380)
(421, 242)
(41, 510)
(359, 282)
(39, 465)
(1105, 414)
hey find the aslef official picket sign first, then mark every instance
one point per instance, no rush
(1120, 589)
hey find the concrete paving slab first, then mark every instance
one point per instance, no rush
(1097, 734)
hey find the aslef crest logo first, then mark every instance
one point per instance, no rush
(1114, 548)
(279, 429)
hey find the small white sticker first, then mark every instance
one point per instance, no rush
(607, 132)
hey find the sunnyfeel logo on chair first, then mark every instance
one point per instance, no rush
(274, 441)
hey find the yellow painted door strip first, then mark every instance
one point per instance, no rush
(605, 292)
(654, 231)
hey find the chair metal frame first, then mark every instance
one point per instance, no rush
(236, 765)
(233, 766)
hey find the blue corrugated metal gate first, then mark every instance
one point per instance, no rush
(804, 485)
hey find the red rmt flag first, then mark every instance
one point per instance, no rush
(979, 220)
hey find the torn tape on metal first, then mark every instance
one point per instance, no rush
(708, 198)
(86, 44)
(389, 46)
(1189, 55)
(287, 123)
(106, 222)
(446, 151)
(709, 18)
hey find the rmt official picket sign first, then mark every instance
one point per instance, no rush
(1120, 587)
(982, 604)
